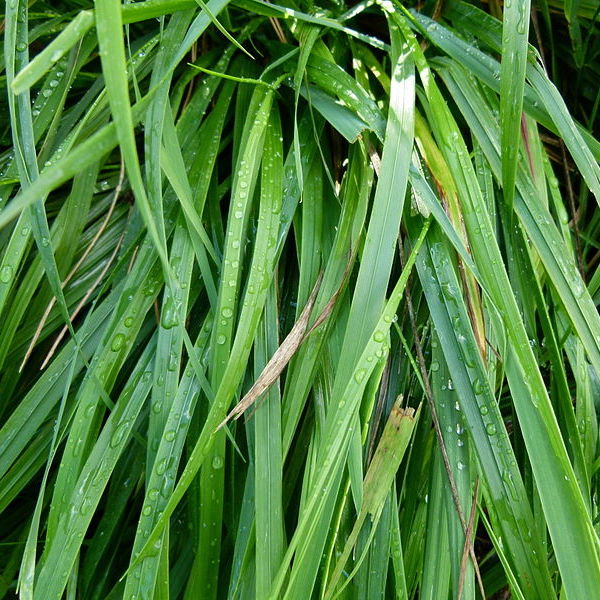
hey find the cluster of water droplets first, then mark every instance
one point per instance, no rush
(51, 85)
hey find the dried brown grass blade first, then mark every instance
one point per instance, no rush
(75, 268)
(283, 354)
(468, 548)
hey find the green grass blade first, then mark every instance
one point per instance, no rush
(515, 32)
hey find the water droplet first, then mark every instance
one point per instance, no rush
(221, 339)
(360, 375)
(6, 273)
(217, 462)
(521, 24)
(379, 336)
(490, 429)
(169, 315)
(170, 435)
(227, 313)
(118, 342)
(77, 447)
(173, 363)
(128, 321)
(119, 434)
(161, 466)
(508, 480)
(150, 288)
(147, 510)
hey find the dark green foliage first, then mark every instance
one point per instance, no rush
(373, 228)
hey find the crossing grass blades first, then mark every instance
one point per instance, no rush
(299, 301)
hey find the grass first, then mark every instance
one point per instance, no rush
(299, 301)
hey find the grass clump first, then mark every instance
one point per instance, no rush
(369, 229)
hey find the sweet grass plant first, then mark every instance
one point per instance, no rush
(299, 301)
